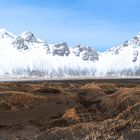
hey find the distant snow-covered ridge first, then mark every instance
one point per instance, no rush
(28, 56)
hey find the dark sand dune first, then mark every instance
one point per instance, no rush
(70, 110)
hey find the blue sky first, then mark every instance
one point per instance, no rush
(96, 23)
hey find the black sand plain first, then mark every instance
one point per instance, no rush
(82, 109)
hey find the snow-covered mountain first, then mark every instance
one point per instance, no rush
(123, 60)
(26, 55)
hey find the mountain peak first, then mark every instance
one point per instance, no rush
(28, 36)
(5, 34)
(3, 30)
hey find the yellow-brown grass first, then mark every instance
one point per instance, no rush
(107, 86)
(71, 114)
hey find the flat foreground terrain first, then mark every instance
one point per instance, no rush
(101, 109)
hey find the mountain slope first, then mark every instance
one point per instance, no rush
(123, 60)
(26, 55)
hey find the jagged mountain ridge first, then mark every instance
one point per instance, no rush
(123, 60)
(26, 55)
(27, 41)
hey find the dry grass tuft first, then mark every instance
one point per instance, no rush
(92, 86)
(71, 115)
(24, 98)
(21, 100)
(107, 86)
